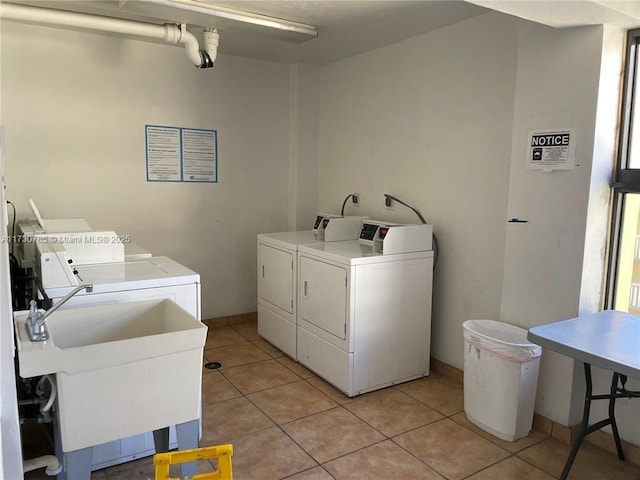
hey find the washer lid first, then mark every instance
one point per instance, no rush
(145, 273)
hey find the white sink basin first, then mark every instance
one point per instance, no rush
(121, 369)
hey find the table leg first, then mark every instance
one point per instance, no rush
(585, 428)
(612, 415)
(583, 425)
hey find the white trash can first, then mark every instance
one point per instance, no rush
(500, 378)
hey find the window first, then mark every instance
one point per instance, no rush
(623, 292)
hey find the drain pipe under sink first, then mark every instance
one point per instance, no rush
(170, 33)
(51, 463)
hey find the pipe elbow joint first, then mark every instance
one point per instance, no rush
(200, 58)
(207, 61)
(50, 463)
(53, 471)
(209, 53)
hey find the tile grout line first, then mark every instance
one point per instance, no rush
(510, 454)
(532, 465)
(337, 406)
(385, 437)
(318, 464)
(418, 458)
(444, 417)
(105, 476)
(279, 425)
(306, 470)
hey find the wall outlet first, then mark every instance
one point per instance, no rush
(355, 199)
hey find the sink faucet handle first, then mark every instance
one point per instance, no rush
(34, 314)
(35, 324)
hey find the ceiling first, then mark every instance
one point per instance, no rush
(344, 27)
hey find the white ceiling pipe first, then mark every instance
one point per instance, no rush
(168, 32)
(191, 46)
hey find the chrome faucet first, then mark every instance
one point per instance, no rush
(35, 321)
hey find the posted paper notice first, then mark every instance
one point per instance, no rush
(163, 154)
(176, 154)
(551, 150)
(198, 155)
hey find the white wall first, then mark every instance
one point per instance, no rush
(74, 109)
(442, 120)
(555, 264)
(429, 120)
(303, 153)
(556, 87)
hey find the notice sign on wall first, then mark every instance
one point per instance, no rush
(176, 154)
(551, 150)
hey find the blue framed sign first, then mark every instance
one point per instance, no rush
(176, 154)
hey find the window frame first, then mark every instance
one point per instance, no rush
(625, 180)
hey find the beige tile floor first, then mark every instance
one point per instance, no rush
(285, 422)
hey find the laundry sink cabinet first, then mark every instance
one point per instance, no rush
(120, 369)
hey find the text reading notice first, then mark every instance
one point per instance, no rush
(551, 150)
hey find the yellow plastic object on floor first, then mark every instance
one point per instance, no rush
(162, 462)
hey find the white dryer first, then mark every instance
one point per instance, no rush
(364, 307)
(278, 273)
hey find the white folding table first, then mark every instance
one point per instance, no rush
(609, 340)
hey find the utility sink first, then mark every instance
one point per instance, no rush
(120, 369)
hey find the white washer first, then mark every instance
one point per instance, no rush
(144, 279)
(364, 317)
(278, 272)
